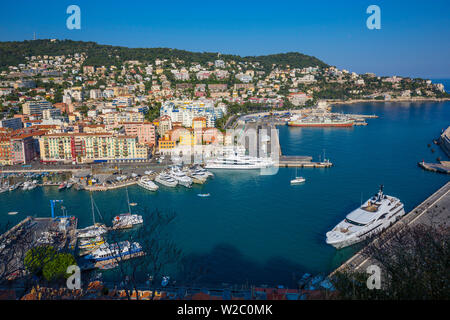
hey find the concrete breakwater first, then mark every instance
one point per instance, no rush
(445, 141)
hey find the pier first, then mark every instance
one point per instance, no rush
(425, 213)
(301, 162)
(287, 161)
(442, 167)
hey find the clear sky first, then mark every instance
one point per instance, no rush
(413, 40)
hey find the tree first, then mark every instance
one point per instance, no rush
(56, 268)
(414, 262)
(36, 258)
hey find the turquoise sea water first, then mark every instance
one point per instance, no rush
(260, 229)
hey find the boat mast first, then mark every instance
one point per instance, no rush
(92, 205)
(128, 200)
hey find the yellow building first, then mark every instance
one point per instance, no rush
(90, 147)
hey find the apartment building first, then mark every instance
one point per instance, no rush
(91, 147)
(186, 111)
(36, 107)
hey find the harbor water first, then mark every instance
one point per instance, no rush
(261, 230)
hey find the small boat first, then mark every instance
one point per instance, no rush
(126, 221)
(203, 195)
(62, 186)
(92, 231)
(165, 281)
(12, 213)
(91, 244)
(32, 186)
(133, 204)
(69, 185)
(298, 180)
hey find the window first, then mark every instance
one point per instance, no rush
(354, 223)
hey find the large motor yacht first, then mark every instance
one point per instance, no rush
(148, 184)
(180, 177)
(166, 180)
(239, 161)
(372, 217)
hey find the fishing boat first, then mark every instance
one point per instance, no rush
(116, 251)
(148, 184)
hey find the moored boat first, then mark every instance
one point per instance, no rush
(371, 218)
(166, 180)
(148, 184)
(127, 221)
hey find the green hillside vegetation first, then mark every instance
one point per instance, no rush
(14, 53)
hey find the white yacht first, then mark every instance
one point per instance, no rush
(298, 180)
(372, 217)
(180, 177)
(148, 184)
(200, 172)
(166, 180)
(239, 161)
(93, 231)
(126, 221)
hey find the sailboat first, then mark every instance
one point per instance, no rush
(127, 220)
(297, 179)
(97, 229)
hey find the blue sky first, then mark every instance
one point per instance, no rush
(413, 40)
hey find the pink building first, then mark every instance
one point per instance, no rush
(23, 148)
(145, 131)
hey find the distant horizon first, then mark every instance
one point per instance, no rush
(410, 43)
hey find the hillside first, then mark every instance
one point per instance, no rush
(13, 53)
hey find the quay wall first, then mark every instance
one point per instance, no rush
(445, 141)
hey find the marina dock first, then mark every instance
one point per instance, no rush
(287, 161)
(301, 162)
(442, 167)
(429, 212)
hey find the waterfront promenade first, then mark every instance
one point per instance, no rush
(435, 210)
